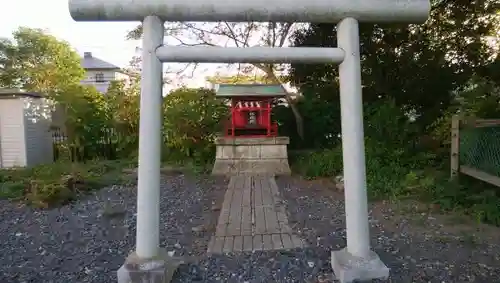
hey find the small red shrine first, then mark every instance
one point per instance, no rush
(250, 142)
(251, 107)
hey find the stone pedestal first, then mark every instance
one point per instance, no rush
(262, 155)
(348, 268)
(155, 270)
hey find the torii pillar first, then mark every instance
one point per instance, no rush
(148, 264)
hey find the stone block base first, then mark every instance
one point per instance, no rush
(348, 268)
(247, 166)
(258, 155)
(154, 270)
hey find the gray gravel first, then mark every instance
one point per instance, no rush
(417, 246)
(89, 240)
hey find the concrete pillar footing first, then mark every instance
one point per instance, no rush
(159, 269)
(349, 268)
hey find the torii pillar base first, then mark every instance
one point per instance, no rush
(348, 268)
(154, 270)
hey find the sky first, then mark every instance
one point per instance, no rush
(106, 40)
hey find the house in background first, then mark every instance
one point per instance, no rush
(25, 137)
(100, 73)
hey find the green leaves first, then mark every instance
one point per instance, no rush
(419, 66)
(37, 61)
(192, 118)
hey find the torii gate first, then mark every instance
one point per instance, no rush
(356, 261)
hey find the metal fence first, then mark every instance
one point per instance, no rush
(475, 149)
(102, 146)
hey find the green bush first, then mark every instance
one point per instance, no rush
(396, 169)
(192, 119)
(391, 174)
(58, 183)
(321, 123)
(326, 163)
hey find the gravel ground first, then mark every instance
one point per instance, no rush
(89, 240)
(416, 245)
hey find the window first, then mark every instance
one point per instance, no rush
(99, 78)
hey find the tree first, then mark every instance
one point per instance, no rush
(123, 104)
(37, 61)
(192, 118)
(418, 66)
(239, 35)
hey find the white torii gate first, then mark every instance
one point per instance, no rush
(356, 261)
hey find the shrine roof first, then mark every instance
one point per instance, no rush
(238, 90)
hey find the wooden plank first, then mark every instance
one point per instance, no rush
(268, 242)
(260, 220)
(257, 192)
(239, 182)
(247, 243)
(267, 197)
(277, 243)
(224, 216)
(479, 123)
(297, 242)
(226, 205)
(228, 244)
(218, 245)
(287, 241)
(480, 175)
(247, 192)
(228, 196)
(238, 244)
(237, 198)
(234, 226)
(455, 146)
(231, 182)
(246, 220)
(281, 214)
(221, 230)
(492, 121)
(272, 225)
(257, 243)
(274, 187)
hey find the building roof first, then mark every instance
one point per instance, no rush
(90, 62)
(6, 93)
(265, 90)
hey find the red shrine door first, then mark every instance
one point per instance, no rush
(251, 118)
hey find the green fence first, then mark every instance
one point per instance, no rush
(480, 148)
(476, 149)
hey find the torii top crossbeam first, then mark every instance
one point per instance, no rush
(314, 11)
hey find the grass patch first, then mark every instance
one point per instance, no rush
(61, 182)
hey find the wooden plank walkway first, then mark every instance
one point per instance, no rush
(252, 218)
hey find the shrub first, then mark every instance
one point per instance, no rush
(59, 183)
(319, 164)
(192, 119)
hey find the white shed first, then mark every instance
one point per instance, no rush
(25, 136)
